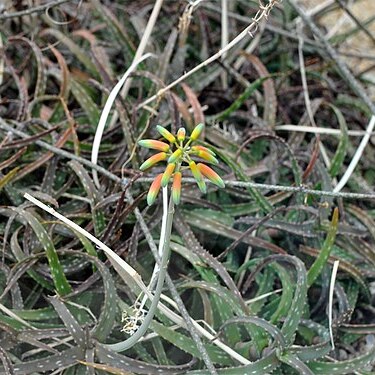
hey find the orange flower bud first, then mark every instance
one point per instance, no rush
(167, 174)
(154, 190)
(202, 148)
(176, 188)
(153, 160)
(153, 144)
(181, 134)
(211, 175)
(207, 156)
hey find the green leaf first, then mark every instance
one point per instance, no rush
(240, 100)
(115, 27)
(187, 345)
(286, 296)
(298, 303)
(260, 200)
(75, 49)
(70, 322)
(64, 359)
(61, 284)
(338, 159)
(294, 362)
(262, 323)
(325, 252)
(261, 367)
(85, 101)
(93, 194)
(342, 367)
(296, 309)
(122, 362)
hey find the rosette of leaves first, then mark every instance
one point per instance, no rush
(179, 153)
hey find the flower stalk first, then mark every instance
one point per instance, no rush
(164, 250)
(176, 154)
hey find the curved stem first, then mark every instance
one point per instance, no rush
(132, 340)
(160, 249)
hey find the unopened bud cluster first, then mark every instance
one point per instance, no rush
(178, 154)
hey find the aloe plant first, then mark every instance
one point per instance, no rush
(177, 153)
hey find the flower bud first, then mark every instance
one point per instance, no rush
(175, 156)
(167, 174)
(202, 148)
(181, 134)
(153, 144)
(153, 160)
(211, 175)
(176, 188)
(202, 186)
(166, 134)
(196, 173)
(196, 132)
(207, 156)
(154, 190)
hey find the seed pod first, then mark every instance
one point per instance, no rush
(153, 160)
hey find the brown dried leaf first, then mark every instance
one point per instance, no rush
(196, 106)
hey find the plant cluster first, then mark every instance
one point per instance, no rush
(273, 273)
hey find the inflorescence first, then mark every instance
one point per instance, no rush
(179, 151)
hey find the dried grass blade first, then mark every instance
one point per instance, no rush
(8, 177)
(270, 99)
(42, 160)
(74, 48)
(6, 163)
(196, 106)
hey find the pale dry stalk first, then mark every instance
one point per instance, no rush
(263, 13)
